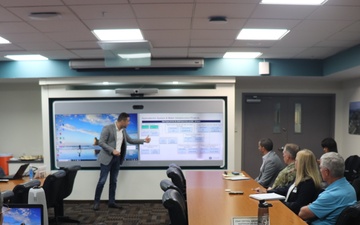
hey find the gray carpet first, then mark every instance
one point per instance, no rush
(133, 213)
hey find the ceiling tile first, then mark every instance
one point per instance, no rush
(94, 2)
(111, 24)
(120, 11)
(210, 43)
(204, 24)
(165, 34)
(16, 27)
(23, 3)
(171, 23)
(169, 52)
(40, 46)
(24, 12)
(336, 13)
(214, 34)
(163, 10)
(282, 12)
(221, 9)
(159, 43)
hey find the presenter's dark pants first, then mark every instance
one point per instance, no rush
(113, 168)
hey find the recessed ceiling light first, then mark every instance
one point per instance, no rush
(26, 57)
(105, 83)
(238, 55)
(262, 34)
(294, 2)
(4, 41)
(118, 35)
(175, 82)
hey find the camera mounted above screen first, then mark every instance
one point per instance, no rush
(140, 92)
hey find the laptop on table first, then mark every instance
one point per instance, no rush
(23, 214)
(18, 175)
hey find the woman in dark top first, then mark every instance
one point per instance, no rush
(307, 183)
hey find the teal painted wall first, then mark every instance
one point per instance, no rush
(212, 67)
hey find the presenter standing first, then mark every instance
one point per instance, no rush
(113, 141)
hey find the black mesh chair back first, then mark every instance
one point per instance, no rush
(52, 186)
(21, 191)
(350, 215)
(69, 181)
(175, 175)
(356, 185)
(7, 196)
(2, 172)
(174, 202)
(166, 184)
(180, 171)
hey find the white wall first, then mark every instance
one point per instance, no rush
(20, 119)
(350, 142)
(139, 184)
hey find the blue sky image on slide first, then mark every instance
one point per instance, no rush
(27, 216)
(77, 133)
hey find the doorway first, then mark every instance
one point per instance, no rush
(303, 119)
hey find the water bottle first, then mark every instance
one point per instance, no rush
(31, 173)
(263, 213)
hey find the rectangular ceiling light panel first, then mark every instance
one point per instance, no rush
(294, 2)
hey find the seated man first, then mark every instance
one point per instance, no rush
(335, 198)
(271, 165)
(287, 175)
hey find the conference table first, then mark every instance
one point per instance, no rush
(209, 203)
(9, 185)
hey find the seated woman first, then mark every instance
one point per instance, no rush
(307, 183)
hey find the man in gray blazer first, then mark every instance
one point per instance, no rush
(271, 165)
(113, 141)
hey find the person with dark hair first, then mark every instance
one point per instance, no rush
(271, 165)
(329, 145)
(335, 198)
(113, 141)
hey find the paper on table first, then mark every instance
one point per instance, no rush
(267, 196)
(237, 178)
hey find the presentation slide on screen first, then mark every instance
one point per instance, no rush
(195, 138)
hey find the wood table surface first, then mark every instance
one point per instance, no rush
(209, 204)
(9, 185)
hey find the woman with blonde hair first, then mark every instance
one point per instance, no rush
(307, 184)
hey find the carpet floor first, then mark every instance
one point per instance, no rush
(133, 213)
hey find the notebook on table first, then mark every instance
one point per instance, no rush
(18, 175)
(267, 196)
(23, 214)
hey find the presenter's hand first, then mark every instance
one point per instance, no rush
(147, 139)
(116, 153)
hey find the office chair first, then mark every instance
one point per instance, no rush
(174, 202)
(2, 172)
(52, 187)
(69, 180)
(166, 184)
(7, 196)
(350, 215)
(177, 178)
(21, 191)
(356, 185)
(180, 171)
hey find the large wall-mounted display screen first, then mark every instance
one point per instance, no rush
(190, 132)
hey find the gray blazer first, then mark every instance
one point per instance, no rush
(108, 143)
(271, 168)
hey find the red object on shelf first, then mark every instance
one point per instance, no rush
(4, 158)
